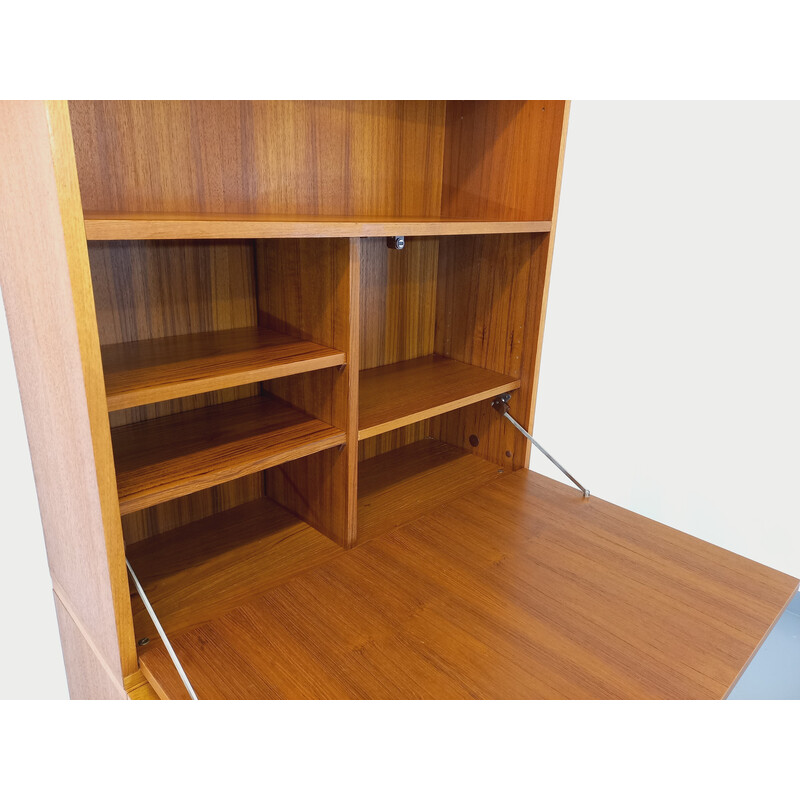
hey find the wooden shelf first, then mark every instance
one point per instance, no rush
(153, 370)
(194, 573)
(102, 226)
(175, 455)
(409, 391)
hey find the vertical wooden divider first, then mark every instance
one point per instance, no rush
(310, 288)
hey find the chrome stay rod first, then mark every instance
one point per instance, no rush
(500, 405)
(161, 632)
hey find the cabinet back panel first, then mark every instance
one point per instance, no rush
(400, 437)
(175, 513)
(146, 290)
(398, 300)
(501, 158)
(381, 158)
(483, 298)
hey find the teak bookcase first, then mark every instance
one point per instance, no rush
(231, 376)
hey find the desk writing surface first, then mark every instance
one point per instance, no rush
(520, 588)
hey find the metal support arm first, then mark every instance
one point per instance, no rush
(161, 632)
(500, 405)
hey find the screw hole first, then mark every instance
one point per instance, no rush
(473, 440)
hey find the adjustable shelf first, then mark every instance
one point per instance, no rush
(107, 226)
(179, 454)
(409, 391)
(153, 370)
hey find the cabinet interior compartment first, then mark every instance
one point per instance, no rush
(281, 385)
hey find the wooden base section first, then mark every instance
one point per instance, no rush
(516, 587)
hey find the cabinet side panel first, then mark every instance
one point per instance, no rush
(87, 678)
(375, 158)
(309, 288)
(501, 158)
(488, 314)
(46, 287)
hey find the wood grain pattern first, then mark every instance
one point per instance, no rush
(488, 313)
(310, 289)
(163, 369)
(501, 158)
(398, 301)
(345, 158)
(398, 304)
(110, 227)
(200, 571)
(88, 677)
(391, 440)
(148, 290)
(409, 481)
(151, 290)
(519, 589)
(176, 513)
(174, 456)
(57, 358)
(138, 688)
(399, 394)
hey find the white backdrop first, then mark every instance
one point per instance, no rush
(669, 375)
(669, 380)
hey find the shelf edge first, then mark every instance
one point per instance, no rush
(105, 229)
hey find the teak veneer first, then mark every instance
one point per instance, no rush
(154, 370)
(168, 457)
(286, 426)
(517, 588)
(209, 226)
(400, 394)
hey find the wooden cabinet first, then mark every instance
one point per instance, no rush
(233, 377)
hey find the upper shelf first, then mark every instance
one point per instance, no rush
(409, 391)
(153, 370)
(102, 226)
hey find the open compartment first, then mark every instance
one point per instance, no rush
(446, 324)
(316, 168)
(267, 335)
(199, 557)
(180, 318)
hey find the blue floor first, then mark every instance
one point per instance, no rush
(774, 672)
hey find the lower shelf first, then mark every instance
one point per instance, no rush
(173, 456)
